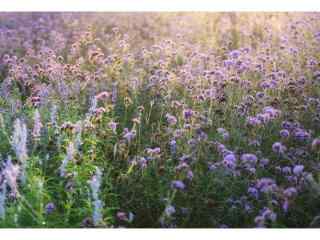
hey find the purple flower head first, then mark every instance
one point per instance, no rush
(230, 161)
(113, 126)
(272, 112)
(260, 95)
(143, 162)
(253, 121)
(286, 170)
(129, 135)
(264, 162)
(173, 146)
(177, 184)
(263, 117)
(220, 148)
(266, 185)
(284, 133)
(122, 216)
(249, 158)
(265, 85)
(298, 170)
(224, 133)
(315, 146)
(301, 135)
(187, 113)
(153, 151)
(252, 191)
(290, 192)
(228, 63)
(170, 210)
(235, 54)
(287, 125)
(268, 214)
(278, 148)
(259, 221)
(190, 175)
(50, 207)
(172, 120)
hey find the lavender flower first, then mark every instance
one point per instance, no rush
(93, 107)
(53, 116)
(95, 184)
(11, 173)
(36, 132)
(19, 145)
(71, 151)
(173, 146)
(3, 196)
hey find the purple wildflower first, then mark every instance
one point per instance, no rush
(230, 161)
(249, 158)
(129, 135)
(113, 126)
(170, 210)
(187, 113)
(290, 192)
(298, 169)
(284, 133)
(315, 146)
(278, 148)
(50, 207)
(177, 184)
(172, 120)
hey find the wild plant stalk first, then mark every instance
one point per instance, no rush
(95, 184)
(19, 145)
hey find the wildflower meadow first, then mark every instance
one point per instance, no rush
(160, 120)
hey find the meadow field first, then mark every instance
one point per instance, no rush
(160, 120)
